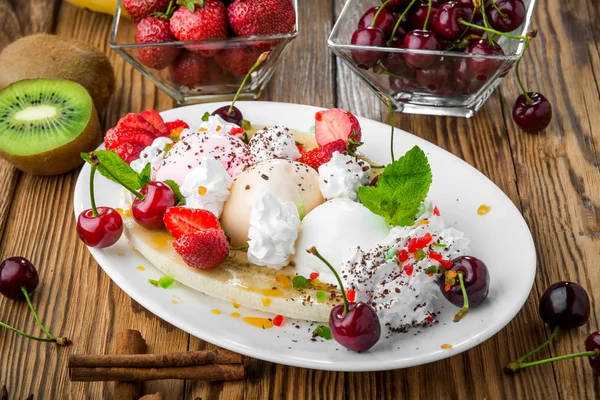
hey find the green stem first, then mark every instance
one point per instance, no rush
(516, 366)
(400, 20)
(490, 30)
(239, 248)
(95, 161)
(377, 13)
(49, 339)
(259, 61)
(498, 10)
(313, 250)
(35, 315)
(427, 17)
(540, 347)
(92, 199)
(485, 20)
(391, 110)
(527, 98)
(465, 308)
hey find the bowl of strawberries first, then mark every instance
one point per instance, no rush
(438, 57)
(201, 50)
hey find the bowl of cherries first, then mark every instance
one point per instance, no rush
(440, 57)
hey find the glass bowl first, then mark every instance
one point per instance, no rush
(451, 84)
(203, 70)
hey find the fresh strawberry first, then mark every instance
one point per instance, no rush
(182, 220)
(139, 9)
(203, 249)
(261, 17)
(237, 61)
(198, 20)
(177, 124)
(155, 29)
(320, 155)
(335, 124)
(154, 119)
(136, 121)
(127, 143)
(190, 69)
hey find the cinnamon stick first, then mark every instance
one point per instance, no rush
(129, 342)
(183, 359)
(210, 372)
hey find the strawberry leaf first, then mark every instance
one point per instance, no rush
(116, 166)
(400, 190)
(191, 4)
(175, 188)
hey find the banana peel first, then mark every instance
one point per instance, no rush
(101, 6)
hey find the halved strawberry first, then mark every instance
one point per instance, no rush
(135, 121)
(126, 142)
(177, 124)
(335, 124)
(154, 118)
(320, 155)
(181, 220)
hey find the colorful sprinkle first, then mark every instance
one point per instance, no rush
(483, 209)
(266, 301)
(446, 346)
(321, 296)
(141, 268)
(235, 314)
(313, 275)
(278, 320)
(351, 295)
(215, 311)
(409, 269)
(402, 256)
(436, 211)
(284, 281)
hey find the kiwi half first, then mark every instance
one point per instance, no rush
(45, 124)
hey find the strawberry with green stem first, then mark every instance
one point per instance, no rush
(155, 29)
(200, 20)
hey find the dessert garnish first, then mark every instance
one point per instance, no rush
(155, 29)
(164, 282)
(19, 278)
(353, 325)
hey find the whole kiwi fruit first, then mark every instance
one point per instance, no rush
(45, 125)
(50, 56)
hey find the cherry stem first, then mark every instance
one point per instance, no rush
(39, 339)
(485, 20)
(259, 61)
(490, 30)
(35, 315)
(240, 248)
(521, 85)
(95, 161)
(92, 199)
(313, 250)
(498, 10)
(540, 347)
(465, 308)
(391, 110)
(400, 20)
(377, 13)
(427, 17)
(517, 366)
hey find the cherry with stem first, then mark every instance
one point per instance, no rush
(399, 22)
(427, 17)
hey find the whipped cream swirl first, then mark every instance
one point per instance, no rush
(207, 186)
(273, 231)
(342, 175)
(216, 124)
(152, 154)
(274, 142)
(392, 276)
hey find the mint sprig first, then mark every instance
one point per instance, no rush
(175, 188)
(400, 190)
(145, 175)
(117, 166)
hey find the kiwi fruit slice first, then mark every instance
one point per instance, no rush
(45, 124)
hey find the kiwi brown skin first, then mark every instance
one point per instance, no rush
(50, 56)
(63, 158)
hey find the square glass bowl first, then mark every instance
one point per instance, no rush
(450, 86)
(203, 70)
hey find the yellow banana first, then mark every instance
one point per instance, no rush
(101, 6)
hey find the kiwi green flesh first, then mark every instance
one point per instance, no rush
(39, 115)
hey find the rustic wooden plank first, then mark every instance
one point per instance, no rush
(483, 142)
(305, 76)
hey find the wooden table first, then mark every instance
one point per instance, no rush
(553, 178)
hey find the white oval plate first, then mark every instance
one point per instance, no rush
(500, 238)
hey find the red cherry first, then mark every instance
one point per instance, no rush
(396, 5)
(15, 273)
(534, 117)
(420, 40)
(358, 330)
(446, 21)
(385, 20)
(372, 37)
(514, 15)
(436, 78)
(149, 211)
(416, 16)
(394, 62)
(592, 343)
(102, 230)
(476, 278)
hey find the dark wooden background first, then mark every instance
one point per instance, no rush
(553, 178)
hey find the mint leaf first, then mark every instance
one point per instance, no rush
(175, 188)
(166, 282)
(401, 189)
(145, 175)
(323, 331)
(117, 166)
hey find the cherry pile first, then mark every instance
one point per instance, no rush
(467, 26)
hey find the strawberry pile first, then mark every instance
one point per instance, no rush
(160, 21)
(335, 130)
(199, 239)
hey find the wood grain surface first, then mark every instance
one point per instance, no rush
(553, 178)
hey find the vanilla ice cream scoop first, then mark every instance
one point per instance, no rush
(284, 179)
(336, 228)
